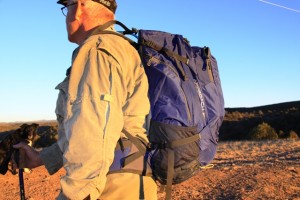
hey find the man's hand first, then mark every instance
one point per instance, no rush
(29, 157)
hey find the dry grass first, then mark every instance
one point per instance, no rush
(248, 170)
(243, 170)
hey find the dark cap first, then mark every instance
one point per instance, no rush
(110, 4)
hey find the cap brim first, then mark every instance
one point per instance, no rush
(63, 2)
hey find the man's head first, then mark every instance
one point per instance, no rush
(84, 15)
(110, 4)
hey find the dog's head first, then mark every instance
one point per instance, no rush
(28, 132)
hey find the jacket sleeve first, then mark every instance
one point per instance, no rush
(52, 158)
(98, 90)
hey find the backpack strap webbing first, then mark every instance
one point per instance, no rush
(170, 174)
(206, 55)
(175, 143)
(185, 141)
(141, 145)
(113, 22)
(170, 53)
(171, 160)
(178, 58)
(102, 30)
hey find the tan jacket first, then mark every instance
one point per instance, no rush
(106, 91)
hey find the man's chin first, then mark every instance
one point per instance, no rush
(72, 39)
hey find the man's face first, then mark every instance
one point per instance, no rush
(72, 22)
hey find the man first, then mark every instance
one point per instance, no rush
(104, 92)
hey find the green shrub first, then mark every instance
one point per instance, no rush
(263, 131)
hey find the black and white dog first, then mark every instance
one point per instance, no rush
(7, 140)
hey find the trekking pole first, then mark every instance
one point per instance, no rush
(21, 155)
(21, 183)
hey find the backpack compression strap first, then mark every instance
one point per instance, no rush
(170, 54)
(206, 55)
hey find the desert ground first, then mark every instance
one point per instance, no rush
(242, 170)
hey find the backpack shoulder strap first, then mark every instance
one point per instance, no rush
(102, 30)
(113, 22)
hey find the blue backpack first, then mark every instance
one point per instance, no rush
(187, 105)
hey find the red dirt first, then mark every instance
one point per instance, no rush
(242, 170)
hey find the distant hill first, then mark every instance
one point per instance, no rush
(283, 117)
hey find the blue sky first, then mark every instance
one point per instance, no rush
(256, 43)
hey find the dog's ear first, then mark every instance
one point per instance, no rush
(22, 131)
(30, 131)
(34, 125)
(23, 126)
